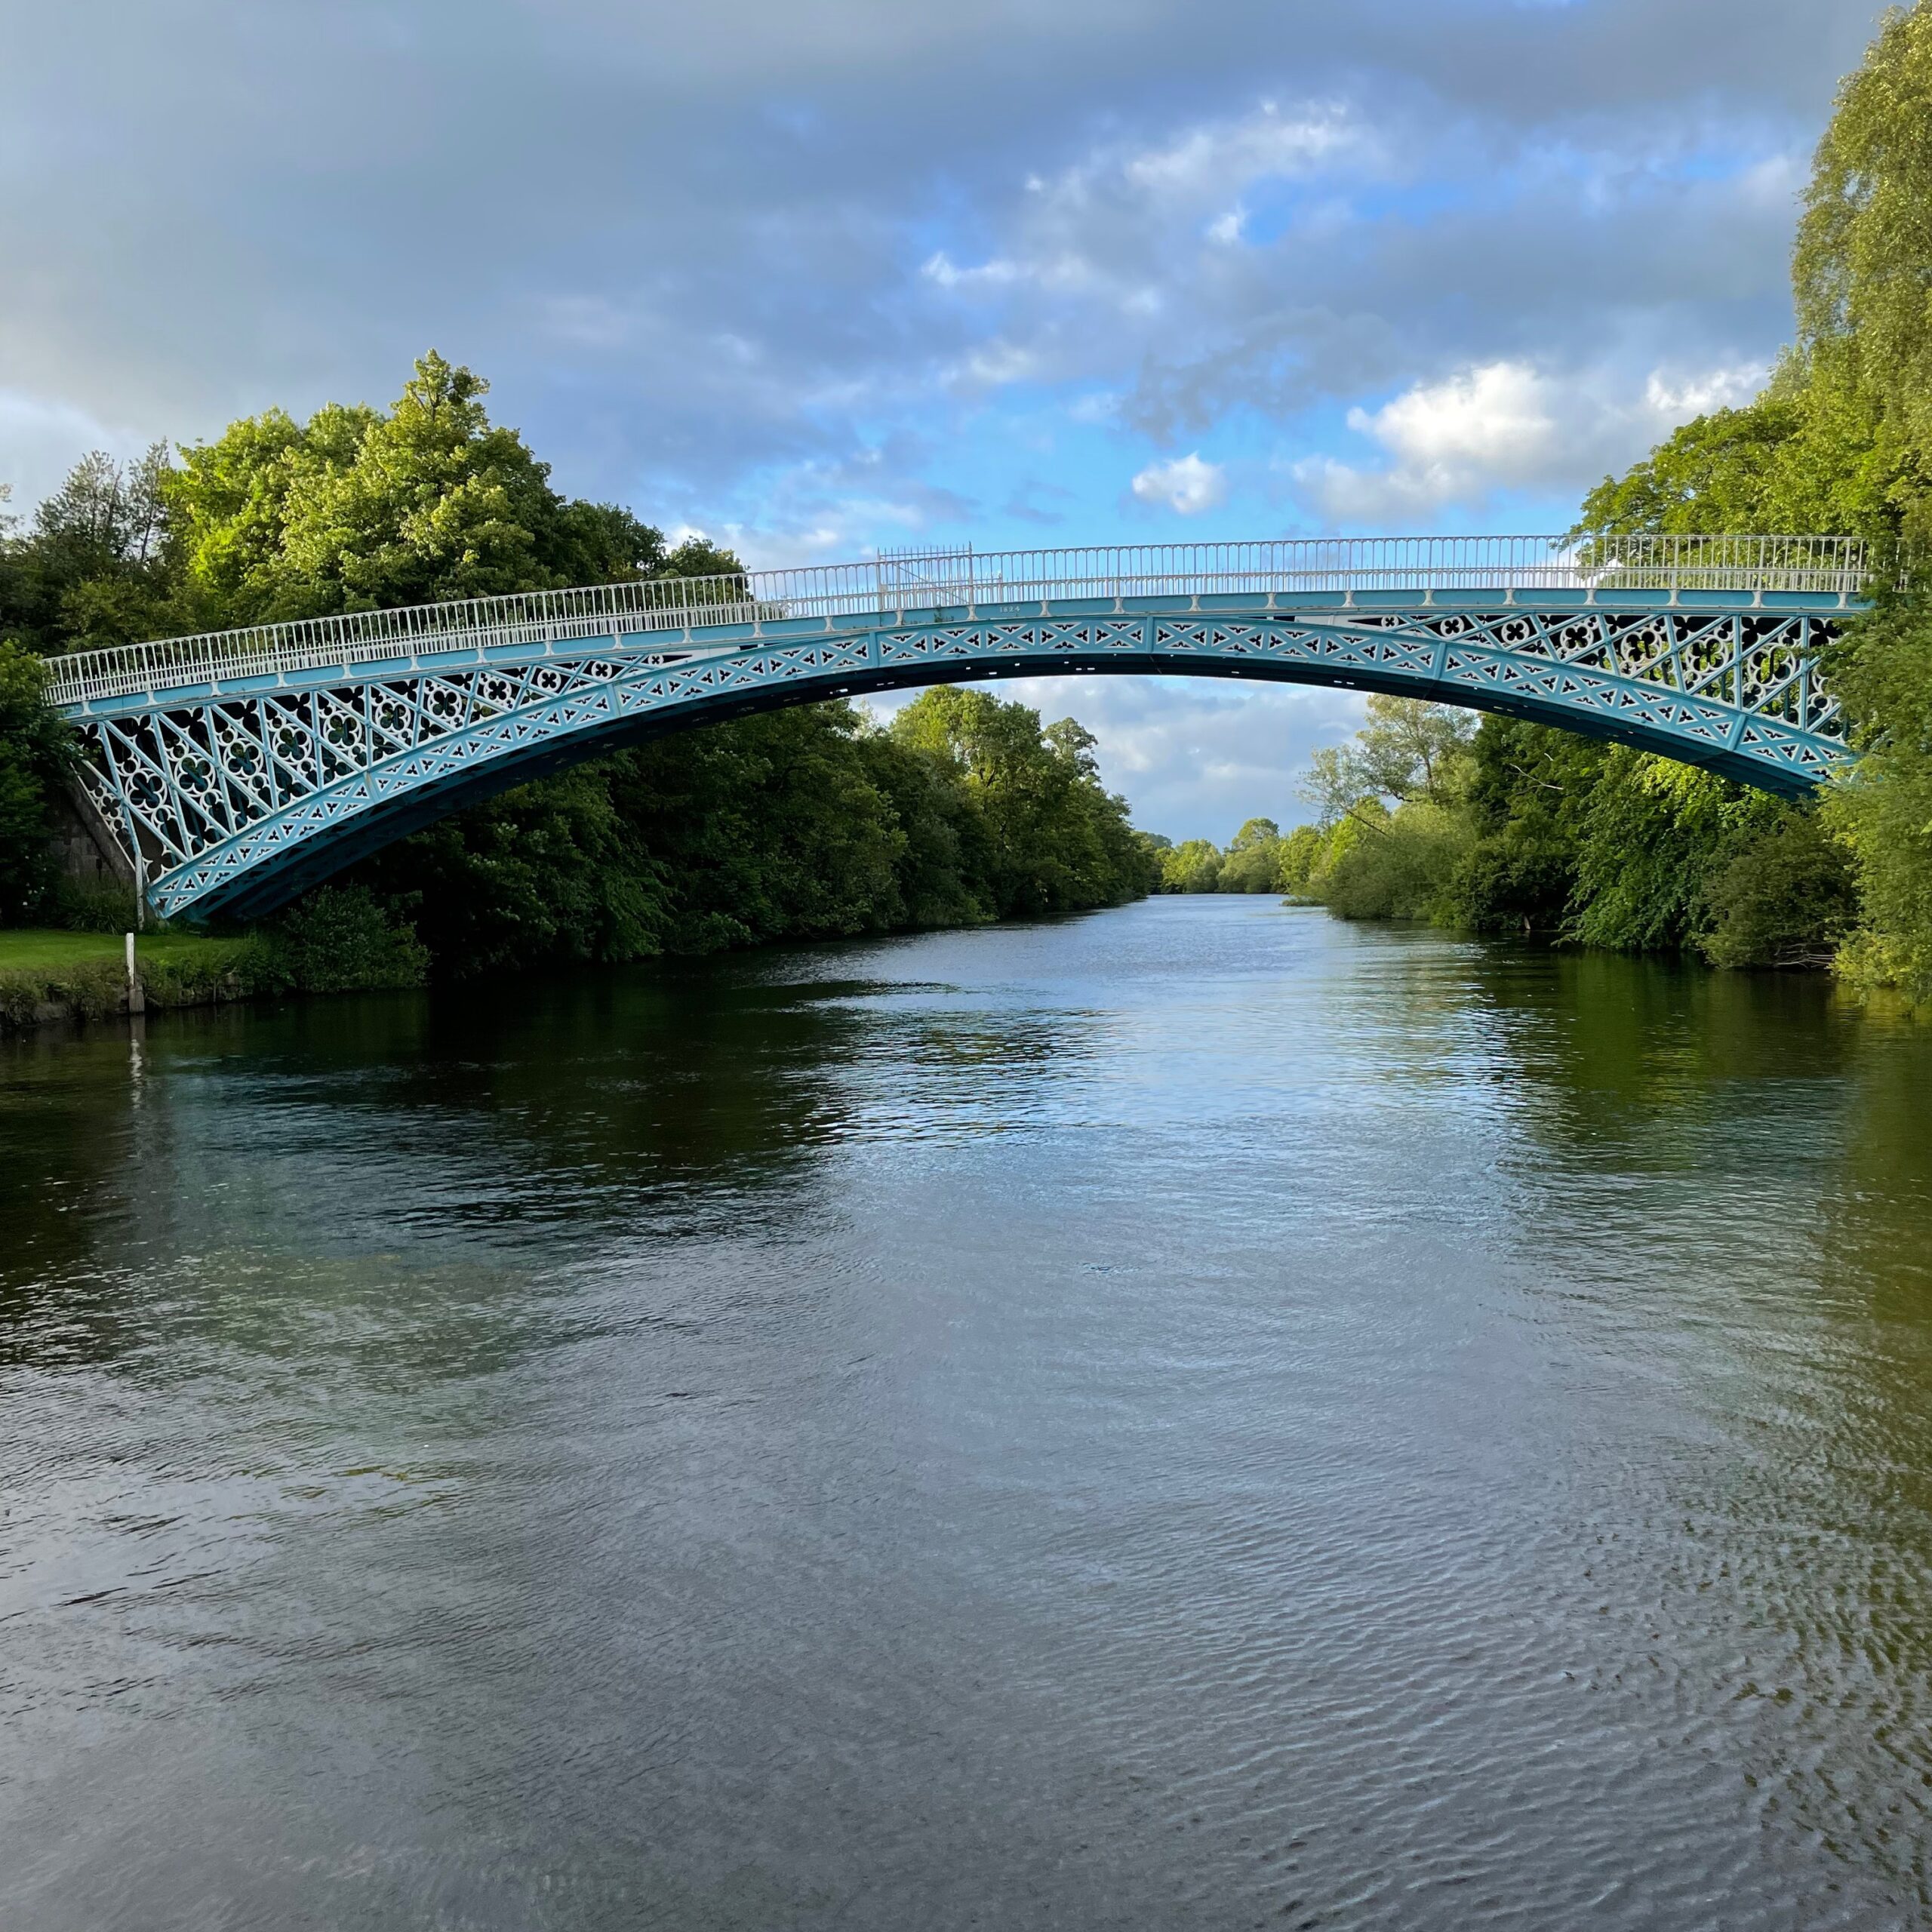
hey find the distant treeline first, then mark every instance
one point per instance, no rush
(1257, 860)
(807, 823)
(1508, 828)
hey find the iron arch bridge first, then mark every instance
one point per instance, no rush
(233, 770)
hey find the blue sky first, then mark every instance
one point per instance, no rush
(819, 277)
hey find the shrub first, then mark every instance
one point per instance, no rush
(1398, 871)
(1786, 898)
(339, 939)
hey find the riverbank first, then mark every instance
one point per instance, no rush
(48, 976)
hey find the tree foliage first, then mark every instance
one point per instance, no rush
(1051, 838)
(1545, 833)
(1193, 866)
(36, 753)
(1407, 750)
(1253, 862)
(360, 509)
(100, 564)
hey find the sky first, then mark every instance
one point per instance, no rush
(817, 277)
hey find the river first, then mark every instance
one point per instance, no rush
(1198, 1415)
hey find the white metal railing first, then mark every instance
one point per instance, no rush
(920, 580)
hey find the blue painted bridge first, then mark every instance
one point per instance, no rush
(233, 770)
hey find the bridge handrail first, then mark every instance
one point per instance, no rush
(1826, 565)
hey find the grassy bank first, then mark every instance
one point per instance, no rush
(49, 975)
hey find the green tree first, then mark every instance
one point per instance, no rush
(1398, 868)
(98, 565)
(1652, 833)
(1055, 840)
(1861, 266)
(1301, 852)
(1193, 866)
(1785, 898)
(1528, 795)
(1253, 863)
(772, 827)
(1408, 750)
(359, 509)
(1884, 811)
(36, 754)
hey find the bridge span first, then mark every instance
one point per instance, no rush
(235, 769)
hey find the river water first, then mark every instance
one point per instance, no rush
(1199, 1415)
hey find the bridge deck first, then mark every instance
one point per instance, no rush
(1286, 576)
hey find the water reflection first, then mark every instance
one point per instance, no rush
(1198, 1415)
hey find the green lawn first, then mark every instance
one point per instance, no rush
(35, 949)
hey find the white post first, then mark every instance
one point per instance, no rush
(137, 1001)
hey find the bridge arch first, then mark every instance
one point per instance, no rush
(238, 769)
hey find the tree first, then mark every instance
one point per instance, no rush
(1652, 835)
(1408, 750)
(356, 509)
(1864, 250)
(1055, 839)
(98, 564)
(1301, 851)
(1193, 866)
(1884, 811)
(1253, 859)
(1787, 897)
(36, 754)
(1528, 797)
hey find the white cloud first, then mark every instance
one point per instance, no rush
(1677, 400)
(1203, 163)
(1505, 426)
(1187, 485)
(940, 267)
(995, 363)
(1492, 419)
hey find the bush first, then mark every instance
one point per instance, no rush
(1399, 871)
(102, 907)
(1786, 898)
(338, 938)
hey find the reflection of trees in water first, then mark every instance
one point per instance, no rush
(1764, 1143)
(430, 1154)
(1637, 1060)
(68, 1125)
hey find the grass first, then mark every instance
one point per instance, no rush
(44, 971)
(39, 949)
